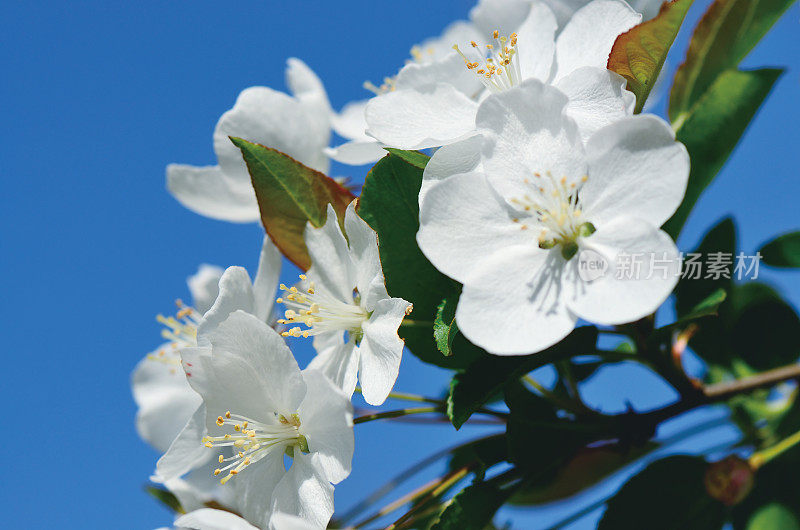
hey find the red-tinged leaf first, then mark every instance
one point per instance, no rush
(639, 54)
(290, 195)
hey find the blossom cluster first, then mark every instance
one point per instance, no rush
(537, 159)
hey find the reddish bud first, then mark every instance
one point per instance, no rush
(729, 480)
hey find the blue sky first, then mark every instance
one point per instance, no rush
(96, 99)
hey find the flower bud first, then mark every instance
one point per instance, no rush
(729, 480)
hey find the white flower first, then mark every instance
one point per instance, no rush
(343, 304)
(165, 399)
(514, 234)
(298, 125)
(211, 519)
(257, 407)
(441, 111)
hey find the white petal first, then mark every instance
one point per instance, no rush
(513, 303)
(304, 491)
(331, 266)
(351, 123)
(357, 153)
(327, 424)
(187, 451)
(530, 135)
(434, 49)
(463, 222)
(204, 286)
(590, 33)
(207, 191)
(306, 86)
(458, 157)
(253, 369)
(537, 42)
(502, 15)
(256, 487)
(450, 69)
(273, 119)
(210, 519)
(266, 283)
(597, 97)
(381, 350)
(339, 364)
(165, 401)
(363, 251)
(615, 298)
(636, 168)
(235, 292)
(425, 117)
(282, 521)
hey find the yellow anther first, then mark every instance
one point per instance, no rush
(221, 459)
(218, 471)
(220, 420)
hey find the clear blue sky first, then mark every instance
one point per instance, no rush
(96, 99)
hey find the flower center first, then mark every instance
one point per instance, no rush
(497, 67)
(252, 440)
(320, 312)
(555, 205)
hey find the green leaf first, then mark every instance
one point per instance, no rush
(773, 516)
(289, 196)
(415, 158)
(389, 204)
(783, 251)
(445, 328)
(472, 388)
(666, 495)
(713, 126)
(472, 508)
(165, 497)
(639, 54)
(724, 36)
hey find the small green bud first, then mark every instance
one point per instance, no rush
(546, 244)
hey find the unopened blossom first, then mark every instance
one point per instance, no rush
(211, 519)
(343, 304)
(258, 406)
(545, 202)
(440, 112)
(297, 124)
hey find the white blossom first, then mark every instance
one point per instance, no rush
(513, 232)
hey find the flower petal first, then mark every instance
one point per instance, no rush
(235, 292)
(350, 122)
(331, 266)
(458, 157)
(283, 521)
(204, 286)
(187, 451)
(339, 363)
(364, 253)
(463, 222)
(528, 133)
(425, 117)
(207, 191)
(327, 424)
(304, 491)
(597, 97)
(590, 33)
(256, 487)
(615, 298)
(165, 401)
(357, 153)
(636, 168)
(537, 42)
(253, 369)
(450, 69)
(381, 350)
(501, 15)
(306, 86)
(512, 304)
(266, 283)
(273, 119)
(211, 519)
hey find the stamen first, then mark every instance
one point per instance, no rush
(500, 69)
